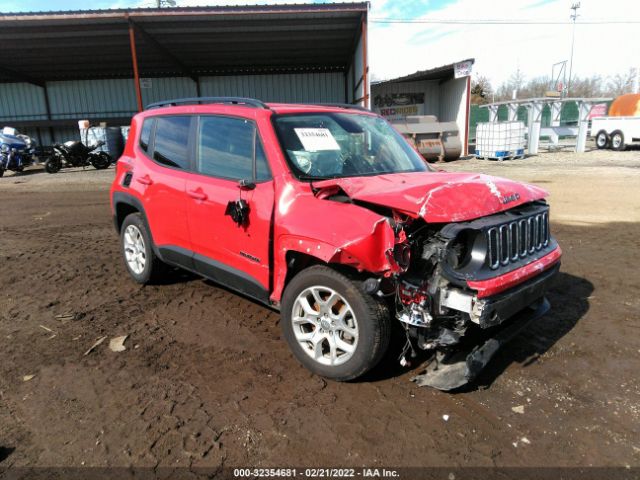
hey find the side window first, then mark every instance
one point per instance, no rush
(145, 134)
(262, 167)
(226, 149)
(171, 144)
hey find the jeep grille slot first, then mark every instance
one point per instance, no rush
(512, 241)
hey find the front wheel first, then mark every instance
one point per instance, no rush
(53, 164)
(602, 140)
(333, 327)
(100, 161)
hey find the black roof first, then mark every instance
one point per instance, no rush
(189, 41)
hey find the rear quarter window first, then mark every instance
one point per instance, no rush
(145, 134)
(171, 142)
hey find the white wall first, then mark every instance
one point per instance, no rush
(453, 105)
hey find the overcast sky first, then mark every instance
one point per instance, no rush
(401, 48)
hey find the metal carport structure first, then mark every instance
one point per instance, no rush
(107, 64)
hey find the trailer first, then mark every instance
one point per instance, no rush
(615, 132)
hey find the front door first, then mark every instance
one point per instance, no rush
(233, 249)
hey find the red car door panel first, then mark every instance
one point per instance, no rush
(218, 241)
(161, 182)
(236, 255)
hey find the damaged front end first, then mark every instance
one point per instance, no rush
(468, 287)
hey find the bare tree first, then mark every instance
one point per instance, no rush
(481, 90)
(515, 82)
(621, 83)
(587, 87)
(536, 87)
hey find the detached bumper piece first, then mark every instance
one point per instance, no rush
(448, 371)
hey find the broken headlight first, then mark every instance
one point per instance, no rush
(467, 251)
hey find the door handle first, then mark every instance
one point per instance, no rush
(145, 180)
(197, 194)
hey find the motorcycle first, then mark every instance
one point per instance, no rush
(16, 151)
(77, 154)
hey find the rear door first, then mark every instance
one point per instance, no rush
(237, 254)
(161, 179)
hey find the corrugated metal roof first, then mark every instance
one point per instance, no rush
(86, 44)
(438, 73)
(221, 9)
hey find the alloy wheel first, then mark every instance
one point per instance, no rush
(325, 325)
(134, 249)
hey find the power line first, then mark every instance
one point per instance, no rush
(499, 21)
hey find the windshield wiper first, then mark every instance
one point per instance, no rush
(313, 178)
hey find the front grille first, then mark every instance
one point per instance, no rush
(518, 239)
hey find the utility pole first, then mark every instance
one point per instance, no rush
(574, 17)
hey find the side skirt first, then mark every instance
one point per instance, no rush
(215, 271)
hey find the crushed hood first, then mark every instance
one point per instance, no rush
(439, 197)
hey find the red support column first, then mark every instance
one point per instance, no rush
(465, 150)
(365, 63)
(134, 58)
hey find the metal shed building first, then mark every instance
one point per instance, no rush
(105, 65)
(443, 91)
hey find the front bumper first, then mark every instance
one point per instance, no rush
(494, 285)
(487, 312)
(492, 311)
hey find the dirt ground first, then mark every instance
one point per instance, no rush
(206, 379)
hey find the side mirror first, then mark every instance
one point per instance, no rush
(246, 184)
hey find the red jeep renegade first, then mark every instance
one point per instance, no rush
(326, 213)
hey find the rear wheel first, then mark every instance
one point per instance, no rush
(53, 165)
(333, 327)
(617, 140)
(141, 261)
(602, 140)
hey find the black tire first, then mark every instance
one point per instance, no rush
(372, 316)
(53, 165)
(155, 270)
(100, 161)
(617, 141)
(602, 140)
(1, 172)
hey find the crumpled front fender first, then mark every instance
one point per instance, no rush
(333, 232)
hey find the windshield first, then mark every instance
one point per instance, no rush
(333, 145)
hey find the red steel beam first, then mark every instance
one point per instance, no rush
(365, 63)
(134, 59)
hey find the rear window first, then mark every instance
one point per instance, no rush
(171, 143)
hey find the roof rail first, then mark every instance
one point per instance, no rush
(349, 106)
(249, 102)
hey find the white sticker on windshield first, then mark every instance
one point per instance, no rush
(316, 139)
